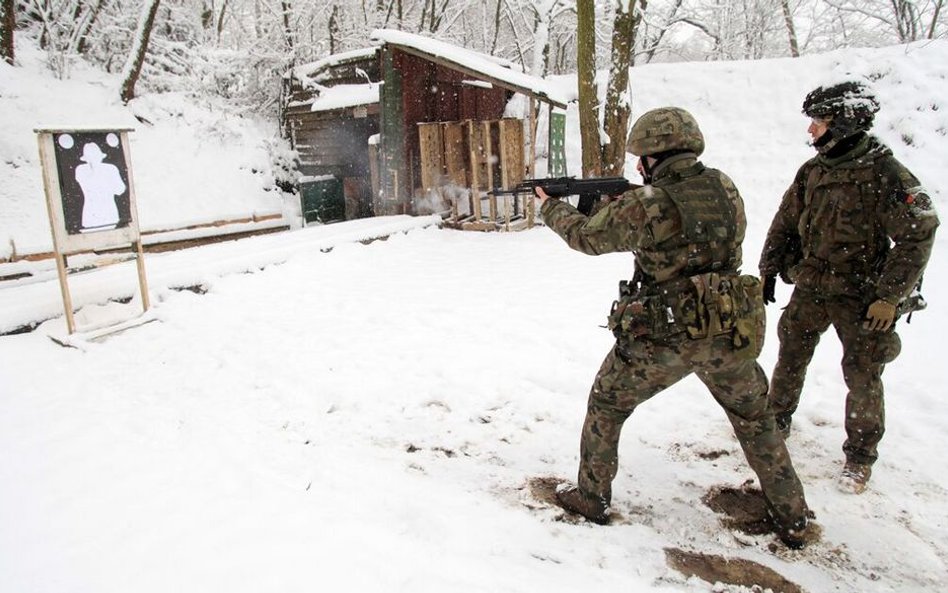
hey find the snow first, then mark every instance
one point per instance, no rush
(324, 412)
(497, 69)
(192, 163)
(345, 95)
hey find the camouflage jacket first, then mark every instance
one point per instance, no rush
(689, 220)
(864, 226)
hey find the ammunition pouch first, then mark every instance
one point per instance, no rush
(639, 316)
(702, 306)
(729, 305)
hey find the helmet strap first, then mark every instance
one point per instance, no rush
(646, 169)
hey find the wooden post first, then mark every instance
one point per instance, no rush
(488, 154)
(455, 158)
(475, 182)
(531, 164)
(64, 289)
(142, 281)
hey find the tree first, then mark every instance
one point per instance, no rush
(7, 26)
(133, 67)
(907, 20)
(588, 99)
(791, 30)
(618, 104)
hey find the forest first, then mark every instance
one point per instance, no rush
(239, 49)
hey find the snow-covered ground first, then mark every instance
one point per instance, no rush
(324, 414)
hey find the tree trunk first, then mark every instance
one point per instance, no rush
(334, 28)
(286, 9)
(618, 98)
(931, 29)
(133, 68)
(7, 26)
(791, 30)
(586, 74)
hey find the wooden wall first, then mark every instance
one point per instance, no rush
(420, 91)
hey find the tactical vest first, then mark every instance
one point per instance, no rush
(706, 241)
(843, 243)
(700, 291)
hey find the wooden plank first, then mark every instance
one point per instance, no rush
(511, 152)
(455, 149)
(481, 225)
(511, 161)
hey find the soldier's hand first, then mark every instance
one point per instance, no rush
(880, 316)
(541, 194)
(770, 285)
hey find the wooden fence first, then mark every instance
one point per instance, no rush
(462, 161)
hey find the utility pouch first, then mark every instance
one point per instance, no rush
(637, 316)
(726, 305)
(748, 333)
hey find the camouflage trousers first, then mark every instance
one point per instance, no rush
(865, 354)
(635, 370)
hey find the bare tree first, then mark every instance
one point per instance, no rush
(136, 58)
(905, 19)
(936, 13)
(7, 27)
(618, 103)
(791, 30)
(588, 99)
(545, 12)
(654, 29)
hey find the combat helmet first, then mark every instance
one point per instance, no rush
(665, 129)
(848, 106)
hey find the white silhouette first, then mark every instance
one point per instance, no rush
(101, 183)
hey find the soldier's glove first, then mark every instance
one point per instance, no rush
(770, 284)
(879, 316)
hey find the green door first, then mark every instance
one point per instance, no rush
(322, 199)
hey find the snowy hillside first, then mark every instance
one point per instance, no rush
(315, 412)
(192, 164)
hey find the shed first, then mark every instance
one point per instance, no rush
(418, 125)
(330, 109)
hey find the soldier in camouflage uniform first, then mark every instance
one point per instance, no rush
(853, 233)
(688, 310)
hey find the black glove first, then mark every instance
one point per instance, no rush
(770, 284)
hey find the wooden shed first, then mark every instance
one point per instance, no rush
(434, 140)
(330, 111)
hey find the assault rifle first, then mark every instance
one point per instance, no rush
(912, 303)
(588, 190)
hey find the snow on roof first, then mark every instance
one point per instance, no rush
(305, 71)
(342, 96)
(499, 71)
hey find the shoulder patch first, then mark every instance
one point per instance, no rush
(916, 200)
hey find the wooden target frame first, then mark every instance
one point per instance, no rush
(90, 198)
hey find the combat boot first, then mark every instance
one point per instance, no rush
(800, 534)
(593, 508)
(783, 424)
(855, 477)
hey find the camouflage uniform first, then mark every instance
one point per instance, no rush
(842, 212)
(691, 313)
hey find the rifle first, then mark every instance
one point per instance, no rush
(588, 190)
(912, 303)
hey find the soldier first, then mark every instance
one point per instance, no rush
(687, 310)
(853, 233)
